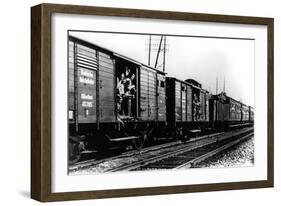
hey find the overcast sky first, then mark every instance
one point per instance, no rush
(202, 59)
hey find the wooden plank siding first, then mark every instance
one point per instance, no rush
(235, 110)
(87, 99)
(151, 86)
(245, 113)
(71, 80)
(86, 93)
(178, 111)
(183, 102)
(202, 106)
(106, 88)
(208, 96)
(189, 103)
(161, 97)
(148, 97)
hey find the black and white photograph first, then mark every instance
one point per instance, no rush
(133, 102)
(148, 102)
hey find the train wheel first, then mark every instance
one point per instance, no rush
(139, 142)
(179, 133)
(74, 153)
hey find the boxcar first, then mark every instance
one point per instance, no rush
(235, 111)
(219, 111)
(245, 113)
(187, 107)
(112, 98)
(251, 114)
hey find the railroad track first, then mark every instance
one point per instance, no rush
(188, 154)
(91, 163)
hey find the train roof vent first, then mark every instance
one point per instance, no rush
(193, 82)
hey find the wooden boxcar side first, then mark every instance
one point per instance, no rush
(86, 66)
(170, 100)
(219, 116)
(161, 95)
(71, 106)
(219, 108)
(245, 113)
(152, 95)
(235, 113)
(106, 87)
(251, 114)
(179, 100)
(82, 83)
(183, 102)
(189, 103)
(200, 105)
(148, 97)
(208, 97)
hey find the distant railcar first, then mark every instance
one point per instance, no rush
(251, 114)
(220, 113)
(187, 107)
(227, 112)
(245, 113)
(235, 111)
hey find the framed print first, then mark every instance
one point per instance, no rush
(129, 102)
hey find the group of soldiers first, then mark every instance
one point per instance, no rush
(196, 108)
(126, 92)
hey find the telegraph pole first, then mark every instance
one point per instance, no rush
(224, 84)
(149, 50)
(216, 85)
(159, 49)
(164, 57)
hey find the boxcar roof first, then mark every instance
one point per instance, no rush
(188, 83)
(236, 101)
(90, 44)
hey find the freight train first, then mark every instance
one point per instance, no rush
(113, 99)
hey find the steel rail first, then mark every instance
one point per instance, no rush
(92, 162)
(203, 157)
(186, 148)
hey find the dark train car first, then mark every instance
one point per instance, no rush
(251, 114)
(235, 112)
(200, 102)
(219, 111)
(112, 98)
(179, 101)
(187, 107)
(245, 113)
(226, 112)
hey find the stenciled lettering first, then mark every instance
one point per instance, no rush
(87, 104)
(86, 96)
(86, 80)
(87, 73)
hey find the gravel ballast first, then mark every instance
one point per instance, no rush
(241, 155)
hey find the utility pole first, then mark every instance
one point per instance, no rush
(149, 50)
(164, 57)
(216, 85)
(224, 84)
(159, 49)
(157, 46)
